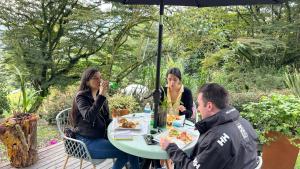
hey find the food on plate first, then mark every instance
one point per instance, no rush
(173, 133)
(180, 135)
(185, 137)
(123, 120)
(125, 123)
(128, 124)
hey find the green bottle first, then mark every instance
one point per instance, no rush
(113, 85)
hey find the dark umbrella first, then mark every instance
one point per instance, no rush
(197, 3)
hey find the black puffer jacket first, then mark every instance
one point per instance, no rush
(226, 141)
(92, 117)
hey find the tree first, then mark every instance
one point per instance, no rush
(48, 39)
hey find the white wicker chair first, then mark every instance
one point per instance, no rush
(73, 148)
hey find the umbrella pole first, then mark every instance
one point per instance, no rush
(159, 48)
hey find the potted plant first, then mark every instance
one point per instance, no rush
(277, 121)
(120, 104)
(19, 132)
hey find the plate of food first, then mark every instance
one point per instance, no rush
(127, 124)
(180, 137)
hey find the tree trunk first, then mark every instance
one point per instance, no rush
(19, 135)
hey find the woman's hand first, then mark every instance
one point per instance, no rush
(181, 108)
(103, 87)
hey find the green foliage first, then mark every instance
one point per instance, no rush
(297, 166)
(120, 101)
(203, 76)
(27, 96)
(57, 101)
(259, 52)
(53, 40)
(215, 59)
(292, 80)
(263, 79)
(275, 113)
(237, 100)
(4, 103)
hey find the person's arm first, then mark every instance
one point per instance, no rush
(188, 103)
(211, 155)
(88, 111)
(163, 94)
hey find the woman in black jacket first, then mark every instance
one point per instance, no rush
(179, 99)
(90, 118)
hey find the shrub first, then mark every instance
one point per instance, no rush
(4, 104)
(292, 80)
(120, 101)
(237, 100)
(56, 102)
(263, 79)
(279, 113)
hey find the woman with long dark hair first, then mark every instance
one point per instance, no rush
(179, 98)
(90, 119)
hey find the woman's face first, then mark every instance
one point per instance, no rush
(173, 81)
(94, 82)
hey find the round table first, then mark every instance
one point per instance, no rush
(138, 147)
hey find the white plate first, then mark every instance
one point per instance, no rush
(118, 127)
(181, 144)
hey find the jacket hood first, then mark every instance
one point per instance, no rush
(226, 115)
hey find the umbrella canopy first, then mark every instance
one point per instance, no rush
(197, 3)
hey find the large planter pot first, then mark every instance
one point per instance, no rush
(280, 153)
(119, 112)
(19, 135)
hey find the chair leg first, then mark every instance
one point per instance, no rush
(81, 163)
(94, 167)
(66, 161)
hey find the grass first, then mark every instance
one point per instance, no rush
(45, 134)
(297, 166)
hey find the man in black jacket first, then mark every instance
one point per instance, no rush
(227, 141)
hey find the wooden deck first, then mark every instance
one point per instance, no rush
(53, 157)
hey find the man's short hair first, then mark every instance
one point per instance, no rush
(215, 93)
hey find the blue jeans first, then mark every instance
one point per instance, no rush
(102, 148)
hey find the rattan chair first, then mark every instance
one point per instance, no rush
(73, 148)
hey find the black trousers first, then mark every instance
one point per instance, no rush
(146, 163)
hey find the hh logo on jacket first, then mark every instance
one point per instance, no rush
(223, 139)
(195, 164)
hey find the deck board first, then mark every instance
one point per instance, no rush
(53, 157)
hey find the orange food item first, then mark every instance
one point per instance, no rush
(183, 136)
(171, 118)
(124, 123)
